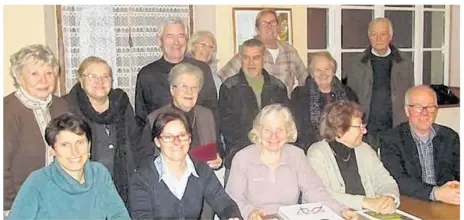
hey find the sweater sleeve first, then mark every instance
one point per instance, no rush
(10, 143)
(318, 162)
(114, 204)
(311, 185)
(140, 203)
(27, 203)
(231, 68)
(301, 72)
(237, 187)
(141, 110)
(217, 197)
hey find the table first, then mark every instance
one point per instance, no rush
(428, 210)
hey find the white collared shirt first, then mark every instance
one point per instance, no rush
(175, 185)
(383, 55)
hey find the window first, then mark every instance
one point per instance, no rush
(126, 36)
(420, 31)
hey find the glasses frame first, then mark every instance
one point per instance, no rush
(429, 108)
(174, 137)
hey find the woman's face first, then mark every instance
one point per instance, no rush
(203, 49)
(273, 132)
(353, 137)
(37, 78)
(323, 72)
(96, 80)
(174, 141)
(71, 151)
(185, 91)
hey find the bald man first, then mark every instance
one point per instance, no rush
(380, 76)
(423, 156)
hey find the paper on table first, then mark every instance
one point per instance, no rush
(398, 215)
(316, 211)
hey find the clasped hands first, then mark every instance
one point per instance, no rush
(381, 204)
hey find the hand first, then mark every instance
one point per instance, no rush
(256, 215)
(349, 214)
(448, 193)
(380, 204)
(215, 163)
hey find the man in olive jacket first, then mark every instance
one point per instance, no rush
(380, 77)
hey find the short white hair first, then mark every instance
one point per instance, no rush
(185, 68)
(194, 38)
(173, 21)
(407, 95)
(380, 20)
(265, 113)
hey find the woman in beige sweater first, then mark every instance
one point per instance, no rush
(348, 167)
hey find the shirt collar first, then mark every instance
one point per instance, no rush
(416, 138)
(160, 164)
(384, 55)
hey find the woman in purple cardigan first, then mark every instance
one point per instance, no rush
(271, 173)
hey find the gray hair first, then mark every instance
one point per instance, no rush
(253, 43)
(380, 20)
(185, 68)
(407, 94)
(172, 21)
(325, 54)
(265, 113)
(194, 38)
(37, 52)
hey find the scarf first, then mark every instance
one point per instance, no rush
(114, 115)
(316, 104)
(42, 116)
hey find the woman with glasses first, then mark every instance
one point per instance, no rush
(320, 89)
(172, 185)
(202, 47)
(349, 167)
(271, 173)
(111, 118)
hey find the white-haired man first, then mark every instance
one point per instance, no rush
(380, 77)
(422, 156)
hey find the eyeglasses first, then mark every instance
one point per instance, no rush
(205, 45)
(264, 24)
(359, 126)
(186, 88)
(420, 108)
(95, 77)
(306, 211)
(171, 138)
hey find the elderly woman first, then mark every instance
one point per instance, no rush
(202, 46)
(71, 187)
(348, 167)
(111, 118)
(172, 185)
(26, 114)
(320, 89)
(271, 173)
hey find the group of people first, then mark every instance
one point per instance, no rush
(281, 133)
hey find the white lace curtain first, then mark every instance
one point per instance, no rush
(125, 36)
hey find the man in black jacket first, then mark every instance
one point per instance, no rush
(152, 87)
(423, 156)
(243, 95)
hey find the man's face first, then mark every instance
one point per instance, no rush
(252, 61)
(174, 41)
(422, 109)
(380, 36)
(268, 27)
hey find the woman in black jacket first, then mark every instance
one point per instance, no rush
(308, 101)
(111, 117)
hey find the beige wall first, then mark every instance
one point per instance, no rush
(22, 26)
(455, 46)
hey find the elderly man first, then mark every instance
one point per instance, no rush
(380, 76)
(280, 59)
(152, 88)
(423, 156)
(243, 95)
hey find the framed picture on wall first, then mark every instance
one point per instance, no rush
(244, 24)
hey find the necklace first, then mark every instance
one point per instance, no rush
(344, 160)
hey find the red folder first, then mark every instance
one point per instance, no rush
(204, 153)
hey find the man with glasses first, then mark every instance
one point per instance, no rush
(152, 87)
(422, 156)
(280, 59)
